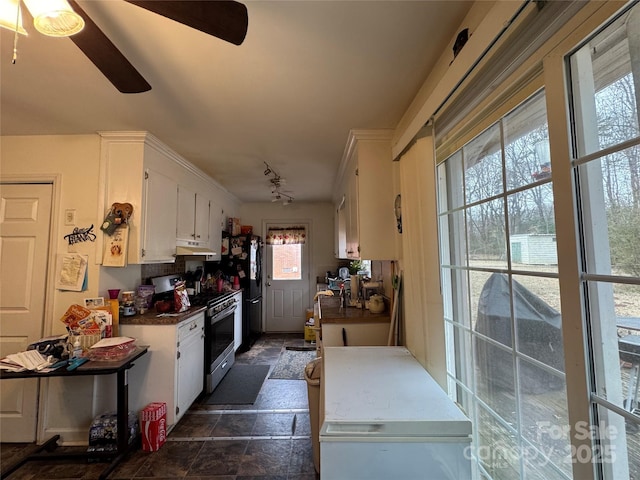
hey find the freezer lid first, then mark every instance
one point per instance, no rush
(385, 392)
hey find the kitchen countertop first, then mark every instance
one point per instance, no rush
(352, 315)
(151, 317)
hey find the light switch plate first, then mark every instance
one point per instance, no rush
(70, 217)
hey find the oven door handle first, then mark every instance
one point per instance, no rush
(223, 313)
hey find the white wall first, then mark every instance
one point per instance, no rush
(321, 216)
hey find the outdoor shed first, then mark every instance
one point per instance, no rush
(534, 249)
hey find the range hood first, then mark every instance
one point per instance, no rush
(191, 250)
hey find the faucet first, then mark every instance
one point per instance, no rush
(327, 293)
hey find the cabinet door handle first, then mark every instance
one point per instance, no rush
(197, 236)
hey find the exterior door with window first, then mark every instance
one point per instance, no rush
(287, 269)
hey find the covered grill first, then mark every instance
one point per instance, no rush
(538, 335)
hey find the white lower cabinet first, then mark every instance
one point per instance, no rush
(190, 363)
(237, 321)
(173, 369)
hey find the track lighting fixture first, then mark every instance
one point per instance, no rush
(276, 186)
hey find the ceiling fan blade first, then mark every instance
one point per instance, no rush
(106, 56)
(225, 19)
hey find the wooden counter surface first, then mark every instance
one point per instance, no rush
(152, 318)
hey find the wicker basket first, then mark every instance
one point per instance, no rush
(86, 341)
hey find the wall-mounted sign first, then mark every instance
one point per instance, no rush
(81, 235)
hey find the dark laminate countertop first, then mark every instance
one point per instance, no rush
(152, 318)
(352, 315)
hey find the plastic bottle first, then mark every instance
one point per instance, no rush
(77, 349)
(115, 316)
(115, 311)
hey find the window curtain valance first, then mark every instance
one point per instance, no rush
(286, 236)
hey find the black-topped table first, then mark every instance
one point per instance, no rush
(119, 367)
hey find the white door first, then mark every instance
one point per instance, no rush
(25, 215)
(287, 280)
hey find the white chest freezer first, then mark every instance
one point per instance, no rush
(386, 418)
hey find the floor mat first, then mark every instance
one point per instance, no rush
(291, 364)
(240, 386)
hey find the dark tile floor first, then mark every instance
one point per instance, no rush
(268, 440)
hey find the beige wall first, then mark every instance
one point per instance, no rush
(74, 159)
(319, 214)
(66, 405)
(422, 299)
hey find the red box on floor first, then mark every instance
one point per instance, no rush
(153, 426)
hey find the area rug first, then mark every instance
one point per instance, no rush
(291, 364)
(240, 386)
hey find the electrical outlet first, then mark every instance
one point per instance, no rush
(69, 217)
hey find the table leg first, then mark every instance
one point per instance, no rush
(48, 445)
(122, 421)
(632, 394)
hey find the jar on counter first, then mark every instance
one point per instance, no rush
(127, 297)
(127, 309)
(141, 305)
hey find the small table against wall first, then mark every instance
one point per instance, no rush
(124, 445)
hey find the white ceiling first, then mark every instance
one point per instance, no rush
(307, 73)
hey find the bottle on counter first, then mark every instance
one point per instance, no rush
(115, 311)
(77, 349)
(141, 305)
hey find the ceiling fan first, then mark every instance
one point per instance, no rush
(224, 19)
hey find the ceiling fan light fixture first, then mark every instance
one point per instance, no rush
(54, 18)
(11, 16)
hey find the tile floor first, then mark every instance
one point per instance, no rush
(269, 440)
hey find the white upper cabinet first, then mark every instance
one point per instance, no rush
(186, 214)
(137, 169)
(194, 217)
(173, 202)
(340, 228)
(202, 229)
(364, 198)
(158, 227)
(216, 220)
